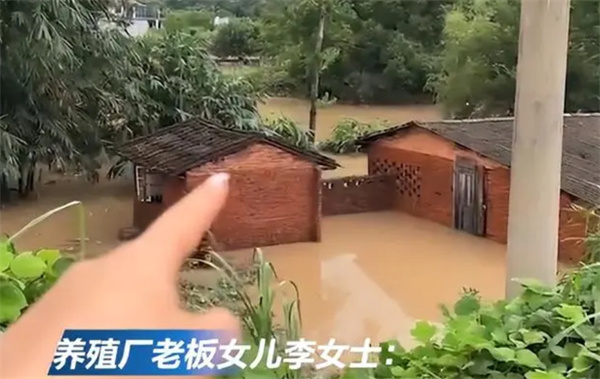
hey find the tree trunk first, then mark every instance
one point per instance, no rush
(316, 71)
(4, 190)
(537, 143)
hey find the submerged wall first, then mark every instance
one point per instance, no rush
(422, 166)
(356, 194)
(273, 198)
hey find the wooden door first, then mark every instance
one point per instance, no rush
(469, 204)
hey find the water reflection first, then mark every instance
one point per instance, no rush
(374, 274)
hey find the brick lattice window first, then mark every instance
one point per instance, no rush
(407, 178)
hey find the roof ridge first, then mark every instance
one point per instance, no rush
(498, 119)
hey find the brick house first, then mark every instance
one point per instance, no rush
(274, 195)
(457, 173)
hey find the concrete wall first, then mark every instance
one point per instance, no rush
(274, 198)
(357, 194)
(422, 165)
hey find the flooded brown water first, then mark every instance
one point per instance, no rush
(374, 274)
(328, 117)
(371, 276)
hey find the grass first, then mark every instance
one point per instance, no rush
(50, 213)
(253, 295)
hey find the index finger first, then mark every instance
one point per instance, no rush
(179, 230)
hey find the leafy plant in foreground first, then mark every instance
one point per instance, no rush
(26, 276)
(258, 314)
(543, 334)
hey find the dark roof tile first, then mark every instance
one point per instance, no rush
(175, 149)
(492, 138)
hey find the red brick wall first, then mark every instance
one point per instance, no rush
(572, 227)
(431, 159)
(497, 186)
(273, 198)
(435, 182)
(571, 233)
(145, 213)
(357, 194)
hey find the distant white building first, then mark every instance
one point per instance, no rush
(141, 18)
(218, 21)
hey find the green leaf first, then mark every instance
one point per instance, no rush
(466, 305)
(588, 354)
(6, 255)
(559, 367)
(391, 350)
(573, 313)
(450, 360)
(502, 354)
(27, 266)
(49, 256)
(12, 301)
(535, 300)
(423, 331)
(529, 359)
(570, 350)
(531, 337)
(478, 366)
(500, 336)
(353, 373)
(586, 332)
(536, 286)
(410, 372)
(397, 371)
(538, 374)
(61, 265)
(34, 290)
(582, 363)
(260, 374)
(382, 371)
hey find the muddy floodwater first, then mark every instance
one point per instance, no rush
(372, 275)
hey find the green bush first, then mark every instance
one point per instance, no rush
(287, 129)
(344, 135)
(543, 334)
(189, 19)
(25, 277)
(236, 39)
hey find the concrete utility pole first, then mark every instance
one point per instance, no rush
(537, 143)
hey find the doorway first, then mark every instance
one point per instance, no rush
(469, 202)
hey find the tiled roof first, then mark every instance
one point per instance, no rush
(492, 138)
(175, 149)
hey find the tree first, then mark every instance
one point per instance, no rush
(57, 66)
(199, 20)
(78, 86)
(478, 66)
(238, 38)
(373, 51)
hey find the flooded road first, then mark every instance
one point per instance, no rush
(371, 276)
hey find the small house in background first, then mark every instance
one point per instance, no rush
(274, 194)
(219, 21)
(457, 173)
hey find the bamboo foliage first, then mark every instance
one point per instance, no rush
(74, 86)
